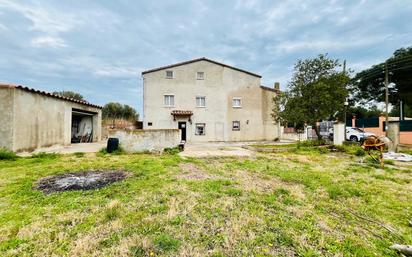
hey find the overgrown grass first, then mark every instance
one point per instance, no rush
(118, 151)
(7, 155)
(301, 203)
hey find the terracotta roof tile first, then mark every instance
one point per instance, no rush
(32, 90)
(181, 112)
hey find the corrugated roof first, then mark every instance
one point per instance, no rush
(32, 90)
(198, 60)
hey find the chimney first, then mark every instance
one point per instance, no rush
(277, 86)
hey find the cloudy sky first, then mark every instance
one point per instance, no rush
(99, 48)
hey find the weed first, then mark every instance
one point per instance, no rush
(166, 243)
(43, 155)
(118, 151)
(323, 150)
(172, 151)
(79, 154)
(137, 251)
(7, 155)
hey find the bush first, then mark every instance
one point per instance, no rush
(353, 149)
(350, 143)
(323, 150)
(360, 152)
(119, 151)
(7, 155)
(311, 143)
(171, 150)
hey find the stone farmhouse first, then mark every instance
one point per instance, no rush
(209, 101)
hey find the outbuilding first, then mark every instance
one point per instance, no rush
(31, 119)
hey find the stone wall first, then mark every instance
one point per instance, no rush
(146, 140)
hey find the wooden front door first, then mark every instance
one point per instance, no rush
(182, 127)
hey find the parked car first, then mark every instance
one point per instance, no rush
(352, 134)
(356, 134)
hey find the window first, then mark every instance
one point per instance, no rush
(169, 74)
(149, 124)
(237, 102)
(169, 100)
(236, 125)
(200, 101)
(200, 129)
(200, 75)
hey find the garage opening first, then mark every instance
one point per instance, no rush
(82, 126)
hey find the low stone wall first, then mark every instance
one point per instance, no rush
(146, 140)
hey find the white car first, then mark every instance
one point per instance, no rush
(356, 134)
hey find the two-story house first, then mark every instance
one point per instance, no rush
(208, 101)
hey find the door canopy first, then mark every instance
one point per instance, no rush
(182, 114)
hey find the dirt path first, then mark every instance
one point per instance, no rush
(208, 149)
(73, 148)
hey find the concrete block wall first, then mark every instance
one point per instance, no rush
(146, 140)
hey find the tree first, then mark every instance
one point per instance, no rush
(130, 113)
(368, 85)
(316, 91)
(362, 112)
(70, 94)
(115, 111)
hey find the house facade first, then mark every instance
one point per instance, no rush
(208, 101)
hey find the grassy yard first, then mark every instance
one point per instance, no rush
(300, 203)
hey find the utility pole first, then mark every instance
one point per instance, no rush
(345, 104)
(386, 98)
(344, 66)
(401, 110)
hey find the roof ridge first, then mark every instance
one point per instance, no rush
(37, 91)
(197, 60)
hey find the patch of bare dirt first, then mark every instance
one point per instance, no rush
(79, 181)
(251, 181)
(192, 172)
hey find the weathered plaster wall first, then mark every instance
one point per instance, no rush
(271, 129)
(219, 86)
(41, 121)
(146, 140)
(6, 118)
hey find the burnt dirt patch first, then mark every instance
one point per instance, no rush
(85, 180)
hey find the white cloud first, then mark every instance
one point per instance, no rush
(45, 20)
(323, 45)
(112, 71)
(48, 41)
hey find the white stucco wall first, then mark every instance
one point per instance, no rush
(146, 140)
(219, 86)
(42, 121)
(6, 118)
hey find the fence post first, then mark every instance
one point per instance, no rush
(393, 134)
(338, 133)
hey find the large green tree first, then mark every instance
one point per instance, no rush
(317, 91)
(115, 111)
(70, 94)
(368, 85)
